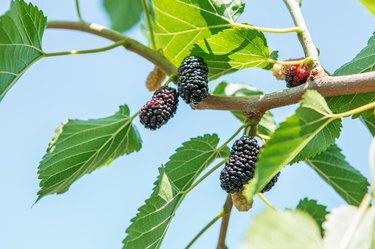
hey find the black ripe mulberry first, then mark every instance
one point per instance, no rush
(296, 75)
(271, 183)
(160, 108)
(193, 80)
(240, 167)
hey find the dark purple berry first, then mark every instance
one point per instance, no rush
(193, 80)
(160, 108)
(240, 167)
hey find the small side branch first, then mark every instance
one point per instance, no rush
(224, 223)
(78, 10)
(129, 43)
(304, 36)
(149, 24)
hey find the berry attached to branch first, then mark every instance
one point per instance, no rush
(193, 80)
(162, 107)
(240, 167)
(296, 75)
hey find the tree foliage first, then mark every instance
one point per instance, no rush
(209, 29)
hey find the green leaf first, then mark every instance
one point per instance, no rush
(266, 125)
(348, 182)
(232, 50)
(370, 5)
(283, 229)
(179, 24)
(363, 62)
(21, 32)
(317, 211)
(124, 14)
(340, 221)
(79, 147)
(369, 121)
(308, 132)
(150, 225)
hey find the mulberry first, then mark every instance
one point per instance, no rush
(160, 108)
(296, 75)
(271, 183)
(240, 167)
(193, 80)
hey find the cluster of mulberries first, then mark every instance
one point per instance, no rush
(192, 87)
(193, 80)
(160, 108)
(296, 75)
(240, 167)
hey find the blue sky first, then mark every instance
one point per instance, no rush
(96, 211)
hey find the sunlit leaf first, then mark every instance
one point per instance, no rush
(283, 229)
(348, 182)
(21, 32)
(82, 146)
(232, 50)
(124, 14)
(179, 24)
(308, 132)
(150, 225)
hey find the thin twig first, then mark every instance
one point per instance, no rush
(130, 44)
(205, 228)
(87, 51)
(224, 223)
(148, 18)
(266, 201)
(268, 30)
(304, 36)
(78, 10)
(202, 178)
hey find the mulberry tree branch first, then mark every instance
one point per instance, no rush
(327, 85)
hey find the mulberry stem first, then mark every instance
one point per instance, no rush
(87, 51)
(266, 201)
(151, 30)
(205, 228)
(225, 222)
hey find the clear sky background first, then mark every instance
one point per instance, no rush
(97, 209)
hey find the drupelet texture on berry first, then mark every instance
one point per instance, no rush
(160, 108)
(193, 80)
(296, 75)
(271, 183)
(240, 167)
